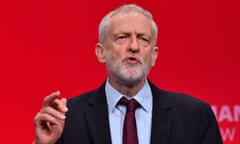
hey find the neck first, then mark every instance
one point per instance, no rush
(127, 89)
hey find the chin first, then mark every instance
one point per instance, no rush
(131, 80)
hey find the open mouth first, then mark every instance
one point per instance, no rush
(132, 60)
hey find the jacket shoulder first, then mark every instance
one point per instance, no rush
(176, 99)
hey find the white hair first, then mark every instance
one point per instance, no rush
(104, 24)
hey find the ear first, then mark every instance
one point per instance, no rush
(100, 52)
(154, 55)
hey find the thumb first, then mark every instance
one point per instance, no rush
(64, 102)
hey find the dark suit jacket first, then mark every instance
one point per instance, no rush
(176, 119)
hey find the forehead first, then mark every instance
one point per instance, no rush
(130, 21)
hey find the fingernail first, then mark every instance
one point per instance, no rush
(66, 109)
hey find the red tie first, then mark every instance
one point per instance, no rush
(129, 129)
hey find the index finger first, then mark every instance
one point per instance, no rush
(50, 98)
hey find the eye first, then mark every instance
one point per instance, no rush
(144, 40)
(121, 38)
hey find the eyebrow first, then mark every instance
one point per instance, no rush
(130, 33)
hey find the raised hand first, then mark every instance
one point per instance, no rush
(49, 121)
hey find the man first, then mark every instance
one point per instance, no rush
(127, 39)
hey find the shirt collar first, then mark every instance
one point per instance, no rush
(143, 97)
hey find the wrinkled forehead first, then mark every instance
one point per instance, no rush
(105, 25)
(131, 20)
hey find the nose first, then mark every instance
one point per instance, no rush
(134, 47)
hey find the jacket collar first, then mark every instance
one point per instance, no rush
(97, 117)
(161, 119)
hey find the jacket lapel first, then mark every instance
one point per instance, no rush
(161, 120)
(98, 122)
(97, 117)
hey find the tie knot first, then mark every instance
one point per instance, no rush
(131, 104)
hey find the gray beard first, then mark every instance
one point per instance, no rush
(128, 80)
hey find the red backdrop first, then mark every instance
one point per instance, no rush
(49, 45)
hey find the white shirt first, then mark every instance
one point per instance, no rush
(143, 114)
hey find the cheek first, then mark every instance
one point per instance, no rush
(112, 55)
(150, 59)
(146, 56)
(117, 53)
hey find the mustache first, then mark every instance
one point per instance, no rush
(133, 57)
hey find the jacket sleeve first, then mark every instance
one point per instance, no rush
(208, 128)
